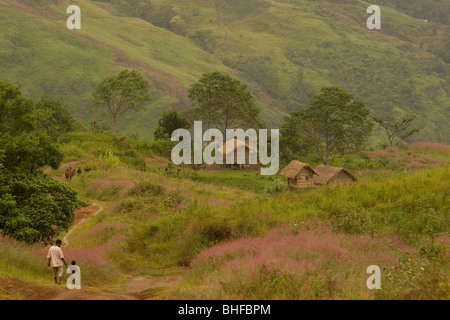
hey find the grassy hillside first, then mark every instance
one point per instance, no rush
(285, 50)
(70, 64)
(234, 236)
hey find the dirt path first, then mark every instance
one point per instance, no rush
(134, 288)
(25, 291)
(148, 288)
(81, 216)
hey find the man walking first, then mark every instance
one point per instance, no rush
(55, 257)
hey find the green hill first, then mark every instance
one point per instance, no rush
(185, 234)
(285, 50)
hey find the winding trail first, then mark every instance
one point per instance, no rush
(85, 213)
(133, 288)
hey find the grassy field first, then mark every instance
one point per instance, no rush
(234, 236)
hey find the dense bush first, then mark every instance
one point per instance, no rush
(112, 149)
(34, 209)
(353, 220)
(275, 186)
(419, 275)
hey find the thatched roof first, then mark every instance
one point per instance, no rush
(326, 173)
(294, 167)
(233, 144)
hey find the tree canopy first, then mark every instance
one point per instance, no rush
(24, 135)
(333, 123)
(223, 102)
(399, 128)
(169, 122)
(128, 91)
(32, 208)
(53, 118)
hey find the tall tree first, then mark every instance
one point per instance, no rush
(399, 128)
(127, 91)
(32, 207)
(25, 147)
(35, 209)
(169, 122)
(293, 144)
(52, 117)
(333, 123)
(16, 111)
(223, 102)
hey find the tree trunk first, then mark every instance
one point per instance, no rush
(114, 124)
(391, 140)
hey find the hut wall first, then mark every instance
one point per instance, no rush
(247, 160)
(292, 183)
(304, 179)
(340, 179)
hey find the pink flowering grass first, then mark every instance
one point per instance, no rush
(29, 262)
(429, 144)
(93, 255)
(280, 249)
(307, 264)
(96, 265)
(107, 190)
(99, 233)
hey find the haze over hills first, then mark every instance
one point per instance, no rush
(285, 50)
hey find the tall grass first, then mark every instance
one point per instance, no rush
(321, 239)
(112, 150)
(316, 263)
(28, 263)
(415, 206)
(23, 262)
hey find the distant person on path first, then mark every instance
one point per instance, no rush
(79, 171)
(71, 173)
(67, 174)
(55, 258)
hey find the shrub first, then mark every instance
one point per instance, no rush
(402, 145)
(34, 209)
(163, 147)
(110, 159)
(420, 275)
(278, 185)
(352, 220)
(103, 190)
(418, 219)
(156, 195)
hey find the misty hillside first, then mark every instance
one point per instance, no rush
(285, 50)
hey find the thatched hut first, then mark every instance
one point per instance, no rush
(299, 174)
(233, 145)
(333, 176)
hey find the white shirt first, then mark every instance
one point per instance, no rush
(55, 255)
